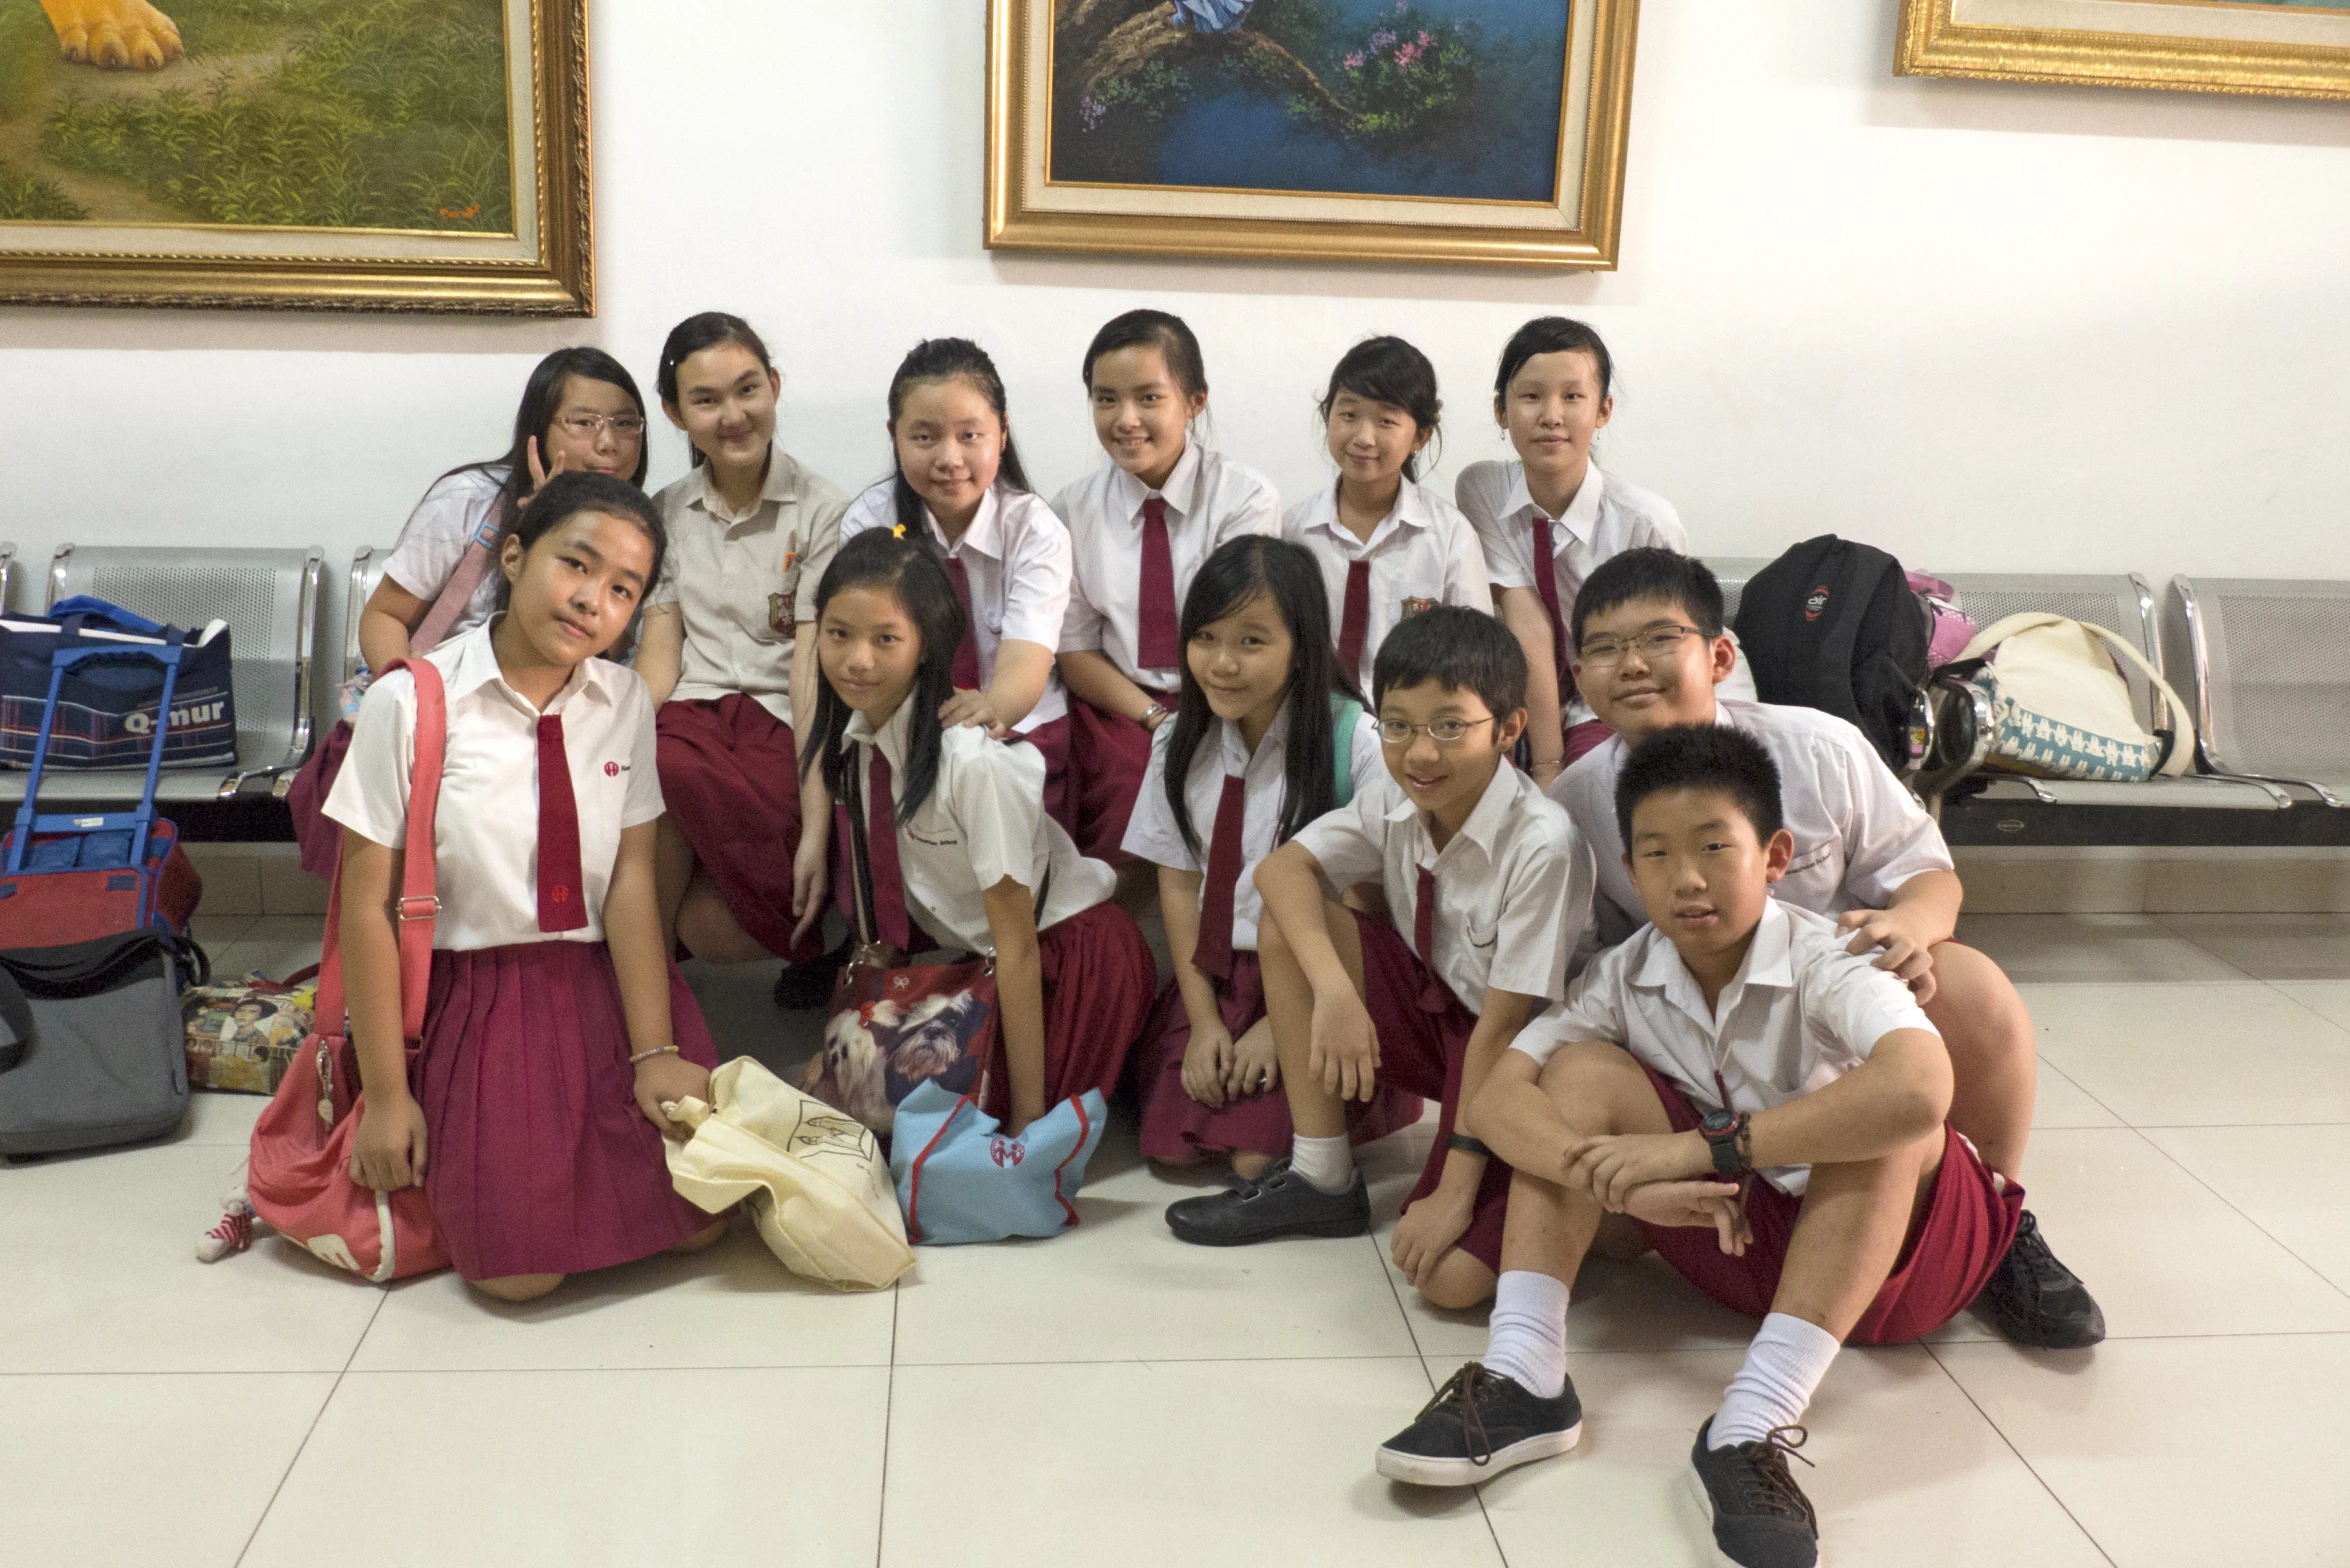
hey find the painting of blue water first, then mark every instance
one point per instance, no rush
(1442, 98)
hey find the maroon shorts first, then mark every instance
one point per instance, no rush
(1098, 978)
(1052, 742)
(1178, 1129)
(1108, 756)
(1966, 1230)
(729, 777)
(1420, 1053)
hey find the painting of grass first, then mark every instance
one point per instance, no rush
(329, 114)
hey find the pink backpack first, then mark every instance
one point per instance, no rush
(1950, 628)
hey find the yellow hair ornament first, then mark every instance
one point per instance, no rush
(897, 531)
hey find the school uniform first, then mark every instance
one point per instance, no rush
(1135, 551)
(742, 585)
(431, 544)
(1500, 907)
(1800, 1014)
(984, 821)
(541, 1162)
(1012, 570)
(1858, 834)
(1422, 554)
(1235, 797)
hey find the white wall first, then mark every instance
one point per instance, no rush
(1985, 326)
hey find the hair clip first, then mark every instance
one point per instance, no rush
(897, 531)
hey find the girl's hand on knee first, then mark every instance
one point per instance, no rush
(1207, 1064)
(1426, 1232)
(667, 1079)
(1344, 1049)
(1256, 1066)
(388, 1151)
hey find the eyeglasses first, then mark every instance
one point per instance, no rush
(1445, 732)
(589, 426)
(1658, 642)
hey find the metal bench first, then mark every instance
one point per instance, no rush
(270, 600)
(2272, 704)
(7, 573)
(1734, 572)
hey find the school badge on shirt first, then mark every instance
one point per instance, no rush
(1416, 606)
(781, 607)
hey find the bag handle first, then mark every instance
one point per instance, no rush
(457, 592)
(2178, 742)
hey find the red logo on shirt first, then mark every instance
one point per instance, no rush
(611, 770)
(1418, 606)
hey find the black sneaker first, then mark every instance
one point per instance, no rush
(1477, 1426)
(1761, 1517)
(1277, 1203)
(2034, 1300)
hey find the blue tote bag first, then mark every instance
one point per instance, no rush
(107, 708)
(960, 1179)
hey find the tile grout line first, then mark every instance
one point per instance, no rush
(316, 1416)
(1968, 1395)
(2233, 1208)
(2040, 1062)
(1421, 1355)
(889, 1400)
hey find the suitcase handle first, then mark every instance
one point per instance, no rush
(141, 822)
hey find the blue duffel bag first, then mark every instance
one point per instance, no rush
(106, 708)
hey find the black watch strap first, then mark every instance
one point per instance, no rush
(1722, 1133)
(1467, 1145)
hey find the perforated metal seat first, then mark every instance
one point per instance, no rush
(270, 600)
(1734, 572)
(2272, 701)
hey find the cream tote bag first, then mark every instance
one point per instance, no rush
(2061, 708)
(813, 1178)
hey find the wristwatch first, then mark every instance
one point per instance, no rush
(1722, 1132)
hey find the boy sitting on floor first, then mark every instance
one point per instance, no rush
(1767, 1107)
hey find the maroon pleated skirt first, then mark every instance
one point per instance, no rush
(1108, 756)
(1179, 1129)
(730, 779)
(319, 836)
(539, 1161)
(1098, 978)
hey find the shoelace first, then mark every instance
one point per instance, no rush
(1462, 1390)
(234, 1232)
(1769, 1486)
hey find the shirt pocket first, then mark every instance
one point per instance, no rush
(1483, 931)
(934, 837)
(781, 621)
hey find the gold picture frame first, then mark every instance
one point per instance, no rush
(2248, 47)
(541, 264)
(1575, 224)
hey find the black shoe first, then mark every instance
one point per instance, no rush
(2034, 1300)
(1477, 1426)
(1277, 1203)
(1761, 1517)
(810, 985)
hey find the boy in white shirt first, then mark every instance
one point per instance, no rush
(1651, 649)
(1768, 1107)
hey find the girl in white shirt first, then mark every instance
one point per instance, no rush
(959, 486)
(580, 413)
(979, 865)
(1387, 547)
(1265, 727)
(556, 1026)
(1140, 525)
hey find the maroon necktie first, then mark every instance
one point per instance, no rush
(1434, 998)
(1211, 955)
(562, 902)
(881, 855)
(1355, 623)
(1155, 627)
(1546, 582)
(966, 652)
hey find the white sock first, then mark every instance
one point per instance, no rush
(1783, 1367)
(1529, 1332)
(1325, 1164)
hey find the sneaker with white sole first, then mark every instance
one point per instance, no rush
(1478, 1425)
(234, 1233)
(1760, 1516)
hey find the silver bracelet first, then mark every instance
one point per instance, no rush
(658, 1050)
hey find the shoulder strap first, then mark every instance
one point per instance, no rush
(457, 592)
(1345, 712)
(860, 867)
(2178, 741)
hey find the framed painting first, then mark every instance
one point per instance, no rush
(1436, 131)
(2281, 48)
(397, 155)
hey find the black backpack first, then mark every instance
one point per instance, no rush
(1834, 625)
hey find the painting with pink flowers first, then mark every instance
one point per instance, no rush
(1448, 99)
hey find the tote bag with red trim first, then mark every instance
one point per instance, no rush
(960, 1179)
(300, 1178)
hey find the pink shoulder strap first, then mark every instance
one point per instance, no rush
(457, 592)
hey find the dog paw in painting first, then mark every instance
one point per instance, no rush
(114, 34)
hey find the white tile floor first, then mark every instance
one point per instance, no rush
(1113, 1397)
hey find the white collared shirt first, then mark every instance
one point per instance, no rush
(1423, 550)
(1152, 834)
(982, 822)
(1016, 558)
(1858, 833)
(1513, 887)
(744, 583)
(1800, 1014)
(432, 542)
(485, 825)
(1210, 499)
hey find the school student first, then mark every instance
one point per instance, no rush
(727, 656)
(1548, 518)
(959, 486)
(1490, 891)
(580, 413)
(1265, 728)
(962, 853)
(1651, 650)
(1139, 527)
(1768, 1107)
(1388, 547)
(556, 1027)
